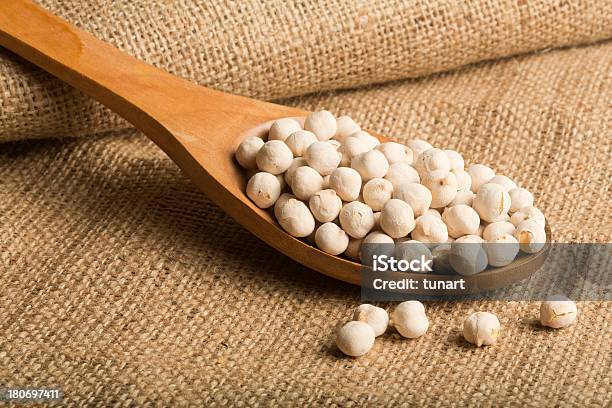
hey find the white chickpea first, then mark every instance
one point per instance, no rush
(441, 258)
(246, 153)
(501, 250)
(461, 220)
(467, 256)
(371, 164)
(395, 152)
(377, 237)
(409, 319)
(282, 128)
(519, 198)
(558, 312)
(334, 143)
(409, 250)
(357, 219)
(481, 329)
(432, 160)
(353, 249)
(416, 195)
(531, 236)
(418, 146)
(295, 218)
(346, 182)
(350, 148)
(528, 213)
(305, 182)
(376, 243)
(465, 197)
(492, 202)
(443, 187)
(377, 192)
(402, 172)
(397, 218)
(331, 239)
(325, 205)
(299, 141)
(377, 317)
(274, 157)
(355, 338)
(464, 180)
(430, 230)
(295, 163)
(370, 141)
(263, 189)
(322, 124)
(282, 200)
(480, 175)
(345, 126)
(504, 181)
(323, 157)
(455, 160)
(432, 212)
(497, 229)
(472, 238)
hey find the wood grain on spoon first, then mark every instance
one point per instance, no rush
(198, 128)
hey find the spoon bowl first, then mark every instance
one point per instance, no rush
(197, 127)
(349, 271)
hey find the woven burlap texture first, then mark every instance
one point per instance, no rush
(272, 49)
(123, 284)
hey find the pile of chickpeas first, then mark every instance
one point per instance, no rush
(339, 187)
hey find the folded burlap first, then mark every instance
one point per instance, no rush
(124, 285)
(276, 49)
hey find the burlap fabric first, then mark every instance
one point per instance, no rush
(272, 49)
(124, 285)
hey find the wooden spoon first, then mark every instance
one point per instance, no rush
(197, 127)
